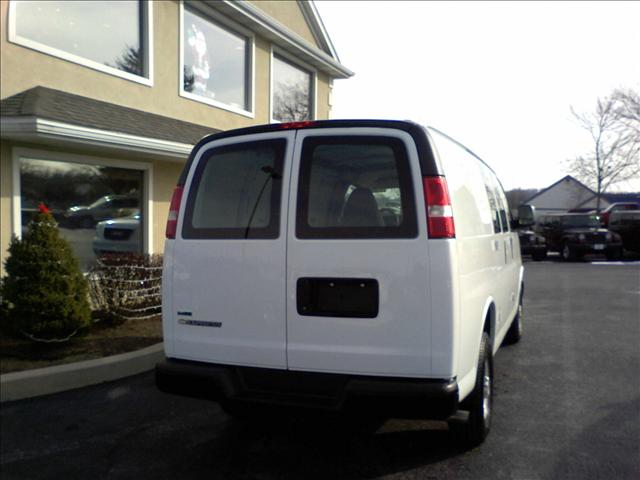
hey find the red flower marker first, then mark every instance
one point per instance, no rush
(43, 208)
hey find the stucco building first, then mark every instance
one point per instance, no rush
(101, 102)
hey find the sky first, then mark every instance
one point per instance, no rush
(500, 77)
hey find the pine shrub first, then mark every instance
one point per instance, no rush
(44, 288)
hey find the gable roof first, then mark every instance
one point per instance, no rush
(563, 179)
(50, 104)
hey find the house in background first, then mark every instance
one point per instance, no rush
(101, 102)
(569, 194)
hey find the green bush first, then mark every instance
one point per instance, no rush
(44, 289)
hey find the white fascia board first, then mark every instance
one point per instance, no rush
(33, 127)
(316, 24)
(255, 19)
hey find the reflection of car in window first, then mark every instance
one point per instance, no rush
(118, 235)
(107, 207)
(574, 235)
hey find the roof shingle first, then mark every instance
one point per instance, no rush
(66, 107)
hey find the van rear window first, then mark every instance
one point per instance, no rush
(236, 191)
(355, 187)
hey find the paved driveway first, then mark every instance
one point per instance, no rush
(567, 407)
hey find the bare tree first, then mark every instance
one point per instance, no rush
(291, 103)
(615, 130)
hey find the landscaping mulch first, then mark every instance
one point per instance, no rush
(102, 340)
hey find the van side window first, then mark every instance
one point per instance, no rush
(503, 206)
(493, 203)
(236, 191)
(355, 187)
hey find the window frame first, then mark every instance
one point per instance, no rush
(271, 231)
(409, 229)
(19, 153)
(146, 33)
(313, 74)
(223, 23)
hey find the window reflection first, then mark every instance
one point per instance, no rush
(215, 62)
(106, 32)
(98, 208)
(291, 92)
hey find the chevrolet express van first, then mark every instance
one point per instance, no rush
(340, 265)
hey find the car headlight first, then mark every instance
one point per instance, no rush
(582, 237)
(532, 239)
(609, 237)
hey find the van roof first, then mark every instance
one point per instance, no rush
(428, 163)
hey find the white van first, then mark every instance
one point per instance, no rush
(336, 265)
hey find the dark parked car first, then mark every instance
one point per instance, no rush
(626, 223)
(532, 243)
(105, 208)
(617, 207)
(574, 235)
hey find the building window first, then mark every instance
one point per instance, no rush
(292, 92)
(99, 209)
(106, 35)
(216, 63)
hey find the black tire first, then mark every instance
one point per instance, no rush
(86, 222)
(567, 253)
(539, 255)
(479, 403)
(614, 255)
(514, 334)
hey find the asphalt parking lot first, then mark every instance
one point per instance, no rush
(567, 407)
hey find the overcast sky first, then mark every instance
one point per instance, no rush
(499, 77)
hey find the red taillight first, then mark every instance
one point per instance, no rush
(174, 208)
(438, 204)
(293, 125)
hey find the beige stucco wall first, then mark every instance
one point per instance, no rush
(288, 13)
(23, 68)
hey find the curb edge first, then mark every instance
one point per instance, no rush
(59, 378)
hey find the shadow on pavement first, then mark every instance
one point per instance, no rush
(303, 448)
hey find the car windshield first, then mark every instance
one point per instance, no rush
(581, 221)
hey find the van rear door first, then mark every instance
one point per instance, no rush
(229, 253)
(357, 261)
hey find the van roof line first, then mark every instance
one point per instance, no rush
(428, 162)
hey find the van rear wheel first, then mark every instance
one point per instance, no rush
(479, 404)
(514, 334)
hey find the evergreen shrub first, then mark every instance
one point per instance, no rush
(44, 289)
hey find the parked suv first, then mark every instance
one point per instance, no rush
(575, 234)
(616, 207)
(340, 265)
(531, 243)
(626, 223)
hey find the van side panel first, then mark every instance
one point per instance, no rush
(478, 263)
(445, 307)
